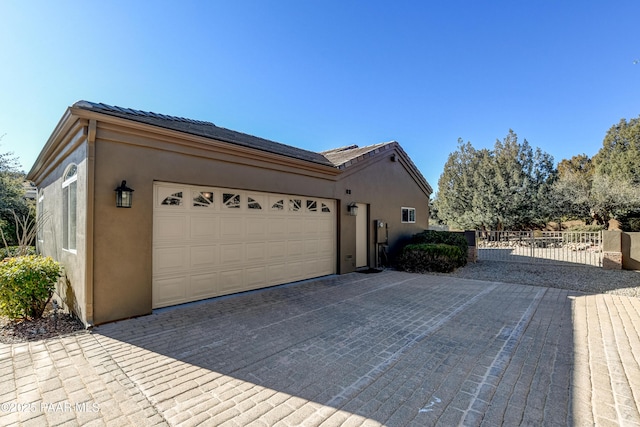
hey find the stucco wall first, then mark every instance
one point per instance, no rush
(385, 186)
(71, 288)
(631, 251)
(621, 250)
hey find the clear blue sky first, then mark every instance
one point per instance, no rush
(319, 74)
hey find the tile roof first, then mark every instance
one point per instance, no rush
(342, 156)
(205, 129)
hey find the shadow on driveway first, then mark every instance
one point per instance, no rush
(392, 348)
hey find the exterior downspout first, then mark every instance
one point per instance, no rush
(88, 280)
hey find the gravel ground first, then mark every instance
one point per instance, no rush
(578, 278)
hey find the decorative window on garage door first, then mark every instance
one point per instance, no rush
(278, 205)
(325, 208)
(295, 205)
(203, 199)
(231, 200)
(174, 199)
(312, 206)
(252, 203)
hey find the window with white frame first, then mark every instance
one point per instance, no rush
(408, 214)
(69, 207)
(40, 218)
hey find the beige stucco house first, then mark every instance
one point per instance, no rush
(213, 212)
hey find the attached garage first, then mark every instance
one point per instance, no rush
(215, 211)
(210, 241)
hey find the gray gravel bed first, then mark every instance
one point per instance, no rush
(578, 278)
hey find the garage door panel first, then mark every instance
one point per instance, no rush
(296, 271)
(232, 253)
(204, 256)
(295, 227)
(231, 227)
(311, 226)
(311, 247)
(231, 281)
(256, 252)
(277, 273)
(309, 267)
(204, 227)
(326, 266)
(295, 248)
(256, 228)
(170, 227)
(277, 228)
(325, 226)
(204, 285)
(170, 260)
(169, 291)
(325, 247)
(277, 250)
(255, 277)
(251, 240)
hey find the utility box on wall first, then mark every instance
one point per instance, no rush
(382, 241)
(381, 231)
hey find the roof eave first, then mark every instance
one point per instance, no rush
(187, 138)
(68, 125)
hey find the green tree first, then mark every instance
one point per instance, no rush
(615, 191)
(12, 200)
(570, 196)
(506, 187)
(619, 157)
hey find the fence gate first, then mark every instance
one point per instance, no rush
(553, 247)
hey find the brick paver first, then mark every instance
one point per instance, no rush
(392, 349)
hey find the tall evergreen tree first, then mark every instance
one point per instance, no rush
(619, 157)
(495, 189)
(570, 195)
(615, 191)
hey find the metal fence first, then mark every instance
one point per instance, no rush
(552, 247)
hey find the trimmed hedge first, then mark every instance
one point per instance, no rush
(430, 250)
(426, 257)
(446, 237)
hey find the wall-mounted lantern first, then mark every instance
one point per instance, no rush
(124, 196)
(352, 208)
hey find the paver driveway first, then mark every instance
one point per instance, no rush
(361, 349)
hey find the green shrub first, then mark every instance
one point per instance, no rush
(13, 251)
(26, 285)
(426, 257)
(446, 237)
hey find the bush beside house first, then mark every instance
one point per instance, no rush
(437, 251)
(26, 285)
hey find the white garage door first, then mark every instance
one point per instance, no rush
(211, 241)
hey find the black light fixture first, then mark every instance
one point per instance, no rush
(124, 196)
(352, 208)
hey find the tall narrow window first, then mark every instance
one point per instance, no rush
(40, 219)
(69, 207)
